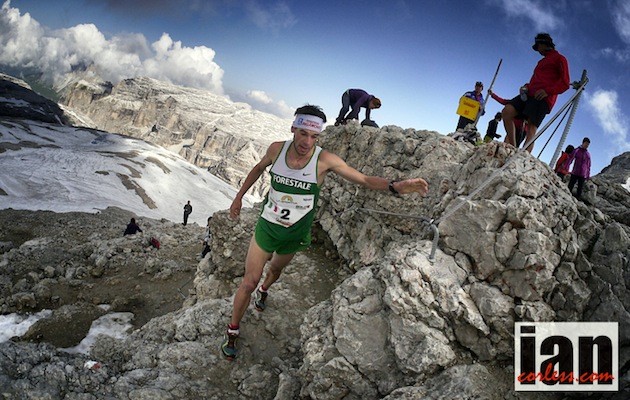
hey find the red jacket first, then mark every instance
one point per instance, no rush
(562, 166)
(552, 75)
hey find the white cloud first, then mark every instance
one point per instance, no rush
(537, 12)
(19, 36)
(621, 19)
(262, 101)
(273, 17)
(26, 44)
(259, 96)
(620, 16)
(621, 55)
(605, 108)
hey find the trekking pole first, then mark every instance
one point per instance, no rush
(483, 103)
(576, 85)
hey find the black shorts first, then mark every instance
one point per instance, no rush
(532, 110)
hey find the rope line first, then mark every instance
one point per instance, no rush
(421, 218)
(555, 130)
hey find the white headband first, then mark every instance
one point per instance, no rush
(309, 122)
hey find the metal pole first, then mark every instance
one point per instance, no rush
(565, 133)
(482, 106)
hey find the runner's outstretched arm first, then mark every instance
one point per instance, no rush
(335, 164)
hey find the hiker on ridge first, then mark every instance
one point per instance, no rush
(187, 212)
(581, 172)
(537, 98)
(562, 165)
(298, 170)
(132, 228)
(477, 96)
(356, 99)
(520, 126)
(491, 133)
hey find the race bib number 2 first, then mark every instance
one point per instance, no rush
(287, 209)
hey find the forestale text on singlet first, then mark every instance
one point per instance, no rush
(292, 182)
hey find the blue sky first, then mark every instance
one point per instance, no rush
(417, 56)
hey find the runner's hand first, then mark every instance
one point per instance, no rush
(235, 208)
(416, 185)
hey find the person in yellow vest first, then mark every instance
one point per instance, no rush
(298, 170)
(475, 95)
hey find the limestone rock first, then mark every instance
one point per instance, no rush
(391, 317)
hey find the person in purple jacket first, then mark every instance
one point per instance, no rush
(355, 99)
(581, 159)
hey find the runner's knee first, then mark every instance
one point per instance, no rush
(249, 285)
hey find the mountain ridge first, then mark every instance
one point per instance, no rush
(388, 321)
(204, 128)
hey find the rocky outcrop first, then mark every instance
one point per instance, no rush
(516, 247)
(608, 190)
(18, 100)
(387, 319)
(209, 130)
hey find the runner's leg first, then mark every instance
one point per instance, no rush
(254, 265)
(278, 262)
(531, 133)
(509, 113)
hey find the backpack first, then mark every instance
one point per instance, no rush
(155, 243)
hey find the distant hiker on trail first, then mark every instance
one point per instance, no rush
(475, 95)
(520, 126)
(491, 133)
(132, 228)
(355, 99)
(537, 98)
(207, 238)
(187, 212)
(581, 172)
(562, 165)
(298, 170)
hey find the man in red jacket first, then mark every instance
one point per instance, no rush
(537, 98)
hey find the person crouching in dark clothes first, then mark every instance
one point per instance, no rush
(132, 228)
(491, 133)
(356, 99)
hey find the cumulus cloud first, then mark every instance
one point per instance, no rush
(26, 44)
(605, 108)
(539, 13)
(262, 101)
